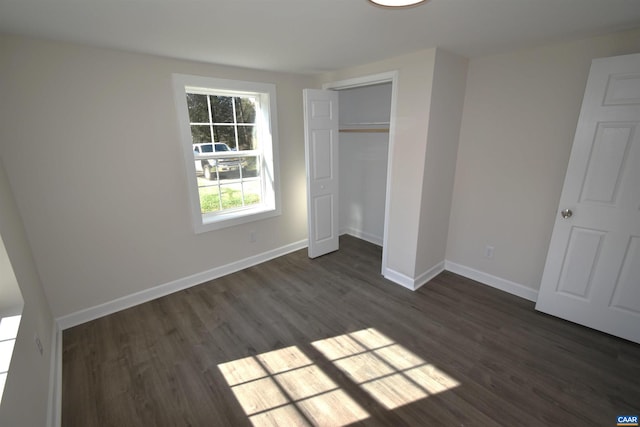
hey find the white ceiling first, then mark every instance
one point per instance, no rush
(311, 36)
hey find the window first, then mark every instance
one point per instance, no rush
(8, 333)
(229, 138)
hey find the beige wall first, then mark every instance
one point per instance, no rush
(90, 142)
(27, 390)
(363, 180)
(519, 119)
(447, 99)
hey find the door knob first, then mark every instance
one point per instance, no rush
(566, 213)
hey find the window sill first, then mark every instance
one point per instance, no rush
(211, 222)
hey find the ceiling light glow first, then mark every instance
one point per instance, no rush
(397, 3)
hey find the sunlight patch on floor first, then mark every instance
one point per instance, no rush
(388, 372)
(284, 387)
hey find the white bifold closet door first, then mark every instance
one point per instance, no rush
(321, 155)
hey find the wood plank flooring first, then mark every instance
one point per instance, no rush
(330, 342)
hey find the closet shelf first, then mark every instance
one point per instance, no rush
(370, 130)
(365, 127)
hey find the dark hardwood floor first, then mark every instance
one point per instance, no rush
(295, 341)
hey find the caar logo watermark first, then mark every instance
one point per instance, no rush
(627, 420)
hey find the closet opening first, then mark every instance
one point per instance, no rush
(366, 128)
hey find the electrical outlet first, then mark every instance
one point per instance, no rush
(488, 251)
(39, 345)
(252, 237)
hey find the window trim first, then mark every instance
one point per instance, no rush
(270, 206)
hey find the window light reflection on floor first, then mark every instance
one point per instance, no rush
(391, 374)
(284, 387)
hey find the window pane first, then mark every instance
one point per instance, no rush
(233, 197)
(252, 193)
(245, 110)
(225, 134)
(209, 196)
(247, 138)
(250, 167)
(222, 109)
(200, 133)
(246, 165)
(198, 110)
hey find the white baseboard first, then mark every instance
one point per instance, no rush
(54, 410)
(362, 235)
(493, 281)
(86, 315)
(91, 313)
(413, 283)
(398, 278)
(424, 278)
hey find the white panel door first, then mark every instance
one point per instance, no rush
(321, 154)
(592, 272)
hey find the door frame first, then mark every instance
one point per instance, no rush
(370, 80)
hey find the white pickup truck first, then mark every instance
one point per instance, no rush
(207, 166)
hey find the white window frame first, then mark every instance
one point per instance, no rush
(266, 120)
